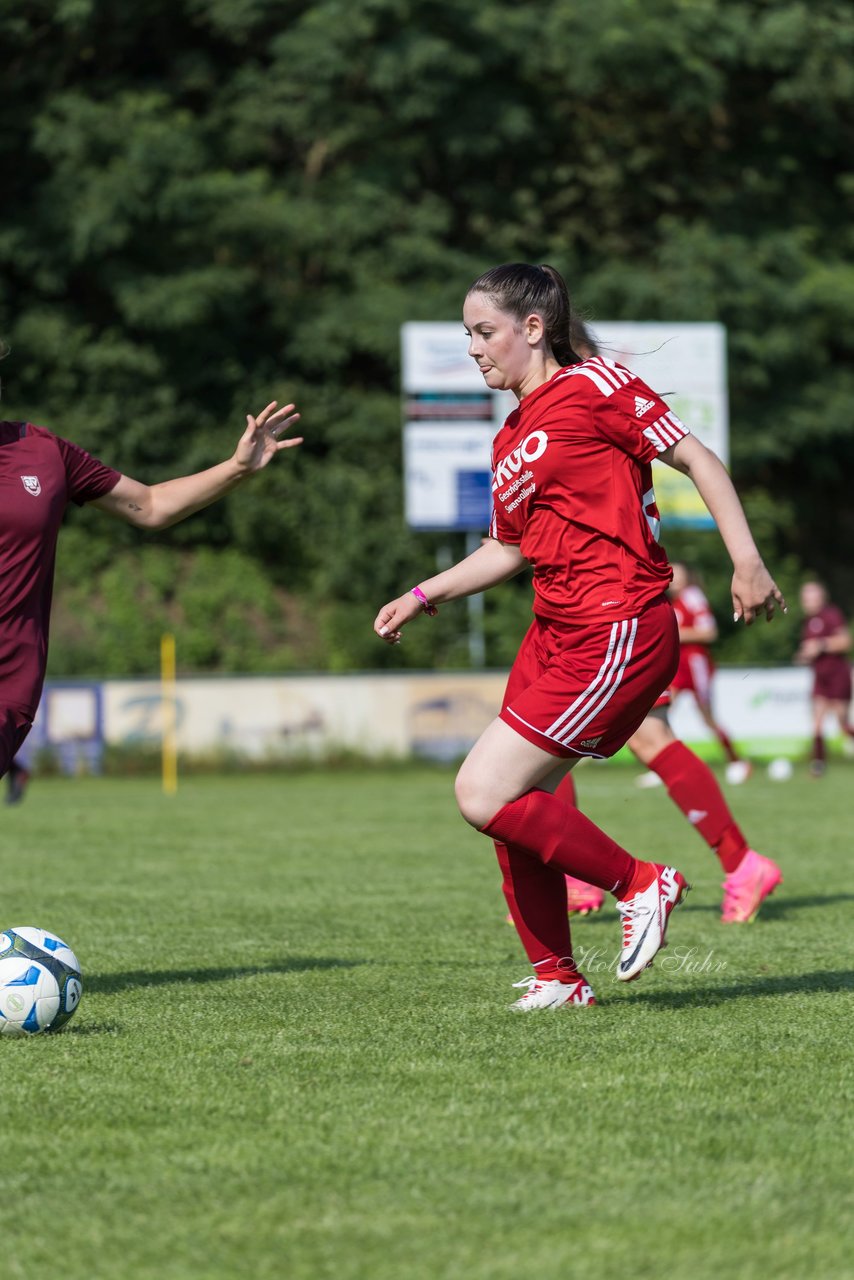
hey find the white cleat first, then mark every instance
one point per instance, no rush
(650, 779)
(645, 915)
(552, 994)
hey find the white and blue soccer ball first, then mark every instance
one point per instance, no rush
(40, 981)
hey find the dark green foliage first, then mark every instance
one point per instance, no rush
(209, 203)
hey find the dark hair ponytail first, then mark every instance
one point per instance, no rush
(520, 289)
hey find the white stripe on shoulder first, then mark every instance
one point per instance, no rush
(596, 376)
(617, 371)
(606, 370)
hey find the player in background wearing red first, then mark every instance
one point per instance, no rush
(749, 877)
(697, 631)
(40, 473)
(573, 497)
(825, 646)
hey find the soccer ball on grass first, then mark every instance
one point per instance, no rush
(40, 981)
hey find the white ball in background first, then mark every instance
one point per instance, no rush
(738, 771)
(780, 770)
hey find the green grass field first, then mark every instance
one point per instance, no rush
(293, 1056)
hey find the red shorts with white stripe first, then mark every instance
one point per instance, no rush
(580, 689)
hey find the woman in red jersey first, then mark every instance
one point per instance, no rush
(573, 498)
(698, 631)
(40, 473)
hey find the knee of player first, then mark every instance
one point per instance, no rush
(652, 736)
(473, 799)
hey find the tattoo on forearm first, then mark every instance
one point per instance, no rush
(132, 506)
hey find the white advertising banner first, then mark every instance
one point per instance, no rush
(431, 715)
(766, 710)
(685, 362)
(448, 474)
(435, 358)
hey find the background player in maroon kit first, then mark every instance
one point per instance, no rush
(18, 777)
(825, 646)
(573, 498)
(40, 473)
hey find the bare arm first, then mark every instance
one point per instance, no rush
(810, 649)
(839, 642)
(753, 589)
(493, 562)
(158, 506)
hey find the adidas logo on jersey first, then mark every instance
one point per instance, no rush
(642, 406)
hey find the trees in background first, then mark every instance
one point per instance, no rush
(212, 202)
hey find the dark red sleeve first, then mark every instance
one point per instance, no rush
(833, 619)
(88, 478)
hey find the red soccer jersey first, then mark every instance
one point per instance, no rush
(39, 475)
(572, 488)
(692, 610)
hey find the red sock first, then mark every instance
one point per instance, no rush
(693, 787)
(565, 790)
(562, 837)
(536, 899)
(726, 742)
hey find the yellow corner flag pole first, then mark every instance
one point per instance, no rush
(169, 703)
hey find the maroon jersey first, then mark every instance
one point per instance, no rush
(39, 475)
(572, 488)
(832, 677)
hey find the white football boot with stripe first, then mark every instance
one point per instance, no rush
(645, 915)
(552, 994)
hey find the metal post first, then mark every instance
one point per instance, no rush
(168, 702)
(477, 640)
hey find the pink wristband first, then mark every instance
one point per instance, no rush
(423, 601)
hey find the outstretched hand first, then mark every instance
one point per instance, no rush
(755, 592)
(396, 614)
(261, 440)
